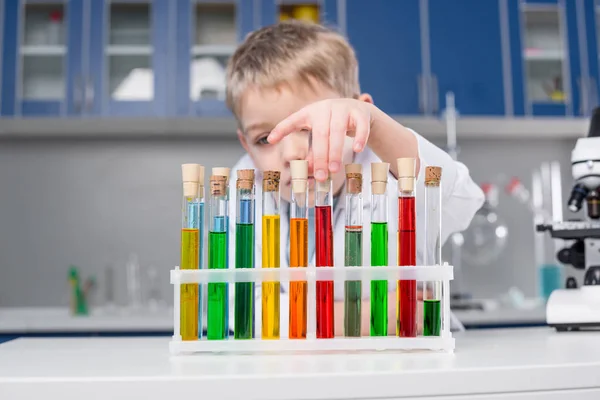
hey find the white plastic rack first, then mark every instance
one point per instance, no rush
(311, 274)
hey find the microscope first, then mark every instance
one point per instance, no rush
(578, 305)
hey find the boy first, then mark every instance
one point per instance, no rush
(291, 79)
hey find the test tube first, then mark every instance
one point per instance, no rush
(190, 249)
(224, 171)
(298, 247)
(379, 247)
(270, 253)
(217, 258)
(324, 258)
(432, 294)
(353, 249)
(406, 321)
(244, 254)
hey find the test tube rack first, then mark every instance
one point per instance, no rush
(442, 273)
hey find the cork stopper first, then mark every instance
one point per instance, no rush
(271, 181)
(379, 175)
(245, 179)
(190, 174)
(299, 171)
(407, 167)
(218, 185)
(353, 178)
(221, 171)
(324, 186)
(406, 174)
(433, 176)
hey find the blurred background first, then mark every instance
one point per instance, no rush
(101, 101)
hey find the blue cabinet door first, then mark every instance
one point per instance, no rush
(466, 56)
(545, 57)
(587, 17)
(41, 58)
(207, 32)
(129, 58)
(386, 36)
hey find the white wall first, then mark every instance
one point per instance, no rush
(92, 202)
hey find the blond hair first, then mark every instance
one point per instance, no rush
(288, 51)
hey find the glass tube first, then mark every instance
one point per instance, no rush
(432, 294)
(217, 255)
(298, 248)
(190, 250)
(406, 325)
(353, 249)
(224, 171)
(244, 254)
(379, 247)
(324, 258)
(270, 253)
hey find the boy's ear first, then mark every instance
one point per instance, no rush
(366, 97)
(242, 139)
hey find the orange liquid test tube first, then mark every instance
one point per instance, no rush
(298, 248)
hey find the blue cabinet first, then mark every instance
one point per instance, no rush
(162, 58)
(411, 53)
(545, 57)
(387, 39)
(41, 58)
(465, 56)
(206, 34)
(128, 53)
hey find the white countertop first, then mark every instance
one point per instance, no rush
(20, 320)
(23, 320)
(522, 362)
(502, 316)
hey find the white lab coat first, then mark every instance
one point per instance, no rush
(461, 198)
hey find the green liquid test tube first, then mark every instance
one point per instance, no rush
(379, 248)
(432, 315)
(217, 311)
(353, 249)
(244, 255)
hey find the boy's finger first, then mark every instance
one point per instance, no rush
(295, 122)
(337, 136)
(362, 132)
(320, 146)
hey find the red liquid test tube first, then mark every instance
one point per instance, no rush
(406, 325)
(324, 258)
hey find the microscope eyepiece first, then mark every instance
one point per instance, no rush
(578, 195)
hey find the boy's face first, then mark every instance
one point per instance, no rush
(261, 110)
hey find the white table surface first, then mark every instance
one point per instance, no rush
(536, 363)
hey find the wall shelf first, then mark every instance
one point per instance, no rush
(541, 128)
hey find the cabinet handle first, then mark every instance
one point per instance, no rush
(594, 94)
(89, 95)
(582, 97)
(78, 94)
(421, 87)
(436, 94)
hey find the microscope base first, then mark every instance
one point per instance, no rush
(574, 309)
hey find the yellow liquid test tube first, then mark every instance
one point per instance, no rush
(270, 254)
(189, 291)
(192, 209)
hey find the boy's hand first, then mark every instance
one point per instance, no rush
(330, 121)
